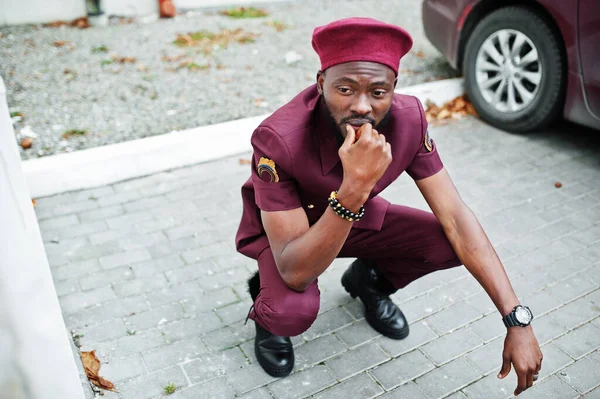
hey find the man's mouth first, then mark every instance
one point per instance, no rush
(357, 123)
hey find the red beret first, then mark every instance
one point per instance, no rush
(361, 39)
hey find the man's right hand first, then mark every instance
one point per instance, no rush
(364, 161)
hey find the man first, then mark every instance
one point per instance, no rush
(319, 163)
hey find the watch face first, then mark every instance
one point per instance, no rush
(523, 315)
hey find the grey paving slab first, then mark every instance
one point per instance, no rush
(147, 271)
(409, 390)
(447, 379)
(302, 384)
(584, 375)
(452, 346)
(357, 360)
(551, 388)
(402, 369)
(363, 386)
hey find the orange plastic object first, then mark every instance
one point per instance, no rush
(167, 8)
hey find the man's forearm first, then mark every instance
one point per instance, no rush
(305, 258)
(477, 254)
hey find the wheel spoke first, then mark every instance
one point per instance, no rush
(488, 66)
(512, 101)
(523, 92)
(503, 38)
(533, 77)
(531, 56)
(517, 45)
(486, 84)
(498, 93)
(490, 49)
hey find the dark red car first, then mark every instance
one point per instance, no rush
(525, 62)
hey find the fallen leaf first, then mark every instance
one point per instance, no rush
(81, 23)
(558, 184)
(60, 43)
(453, 109)
(420, 54)
(33, 202)
(124, 60)
(244, 161)
(173, 58)
(26, 143)
(91, 365)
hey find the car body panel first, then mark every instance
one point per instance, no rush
(589, 50)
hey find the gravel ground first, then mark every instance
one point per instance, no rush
(70, 87)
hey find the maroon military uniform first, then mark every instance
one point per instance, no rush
(296, 165)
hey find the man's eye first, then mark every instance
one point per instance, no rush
(344, 90)
(379, 93)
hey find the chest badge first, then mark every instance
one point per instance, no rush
(266, 165)
(428, 143)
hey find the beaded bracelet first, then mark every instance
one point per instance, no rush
(343, 212)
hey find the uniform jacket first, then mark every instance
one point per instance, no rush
(299, 143)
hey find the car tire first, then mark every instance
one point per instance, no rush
(541, 101)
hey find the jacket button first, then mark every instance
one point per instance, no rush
(310, 206)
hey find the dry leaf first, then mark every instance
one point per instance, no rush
(173, 58)
(60, 43)
(33, 202)
(91, 365)
(124, 60)
(244, 161)
(453, 109)
(420, 54)
(26, 143)
(558, 184)
(81, 23)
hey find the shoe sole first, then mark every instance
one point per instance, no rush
(272, 371)
(393, 334)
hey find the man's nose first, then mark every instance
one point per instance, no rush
(361, 105)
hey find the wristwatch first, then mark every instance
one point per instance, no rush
(520, 316)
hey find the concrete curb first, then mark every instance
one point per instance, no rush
(117, 162)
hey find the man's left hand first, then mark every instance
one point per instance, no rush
(521, 348)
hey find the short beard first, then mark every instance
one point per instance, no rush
(338, 129)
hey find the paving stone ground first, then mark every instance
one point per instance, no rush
(146, 270)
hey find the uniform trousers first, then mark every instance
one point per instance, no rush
(410, 245)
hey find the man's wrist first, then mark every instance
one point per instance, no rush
(350, 198)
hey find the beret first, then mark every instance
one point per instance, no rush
(361, 39)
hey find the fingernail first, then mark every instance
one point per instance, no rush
(499, 375)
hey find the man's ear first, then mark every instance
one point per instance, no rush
(320, 81)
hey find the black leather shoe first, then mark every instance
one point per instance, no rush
(274, 353)
(374, 291)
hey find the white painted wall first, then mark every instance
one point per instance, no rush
(15, 12)
(39, 353)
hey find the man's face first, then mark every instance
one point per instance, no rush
(356, 93)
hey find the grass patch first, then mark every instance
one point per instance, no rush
(209, 41)
(100, 49)
(170, 388)
(74, 133)
(277, 25)
(244, 12)
(106, 62)
(192, 66)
